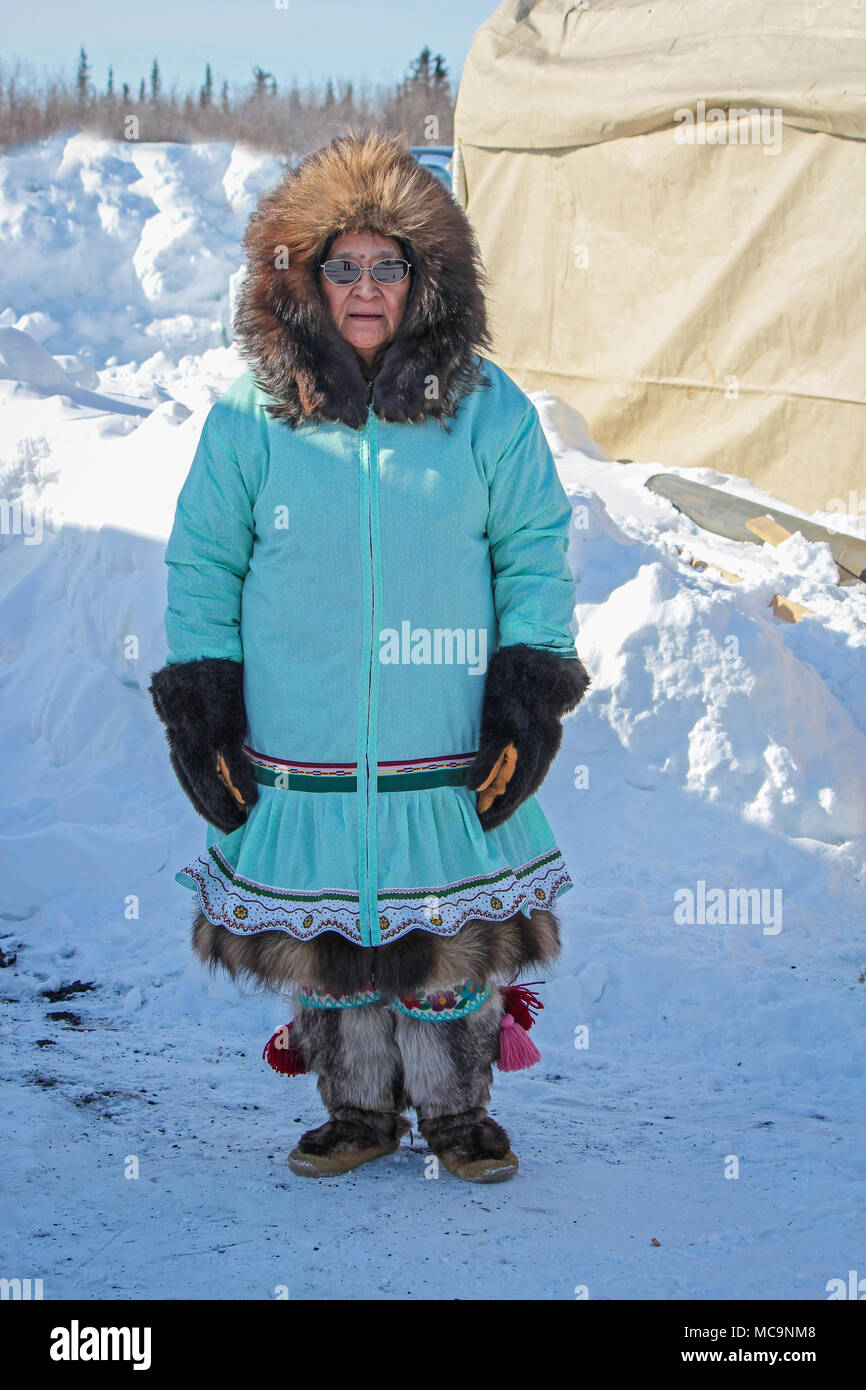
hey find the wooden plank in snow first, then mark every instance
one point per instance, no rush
(725, 514)
(768, 530)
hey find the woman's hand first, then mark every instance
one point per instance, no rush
(201, 704)
(526, 693)
(495, 784)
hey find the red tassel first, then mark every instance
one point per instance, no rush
(516, 1048)
(280, 1054)
(521, 1003)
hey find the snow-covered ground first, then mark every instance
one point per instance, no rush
(717, 1106)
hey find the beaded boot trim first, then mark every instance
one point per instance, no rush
(444, 1005)
(435, 1006)
(316, 999)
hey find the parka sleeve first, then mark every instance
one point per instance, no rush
(528, 529)
(208, 553)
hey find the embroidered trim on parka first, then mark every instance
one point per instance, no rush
(247, 908)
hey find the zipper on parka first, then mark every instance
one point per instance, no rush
(368, 763)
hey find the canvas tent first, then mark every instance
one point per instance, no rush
(670, 201)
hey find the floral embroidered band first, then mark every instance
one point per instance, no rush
(435, 1006)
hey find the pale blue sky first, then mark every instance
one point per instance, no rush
(307, 39)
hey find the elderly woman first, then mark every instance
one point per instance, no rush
(370, 653)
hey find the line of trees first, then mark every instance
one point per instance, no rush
(262, 113)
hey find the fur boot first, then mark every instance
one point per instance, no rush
(373, 1062)
(448, 1072)
(360, 1073)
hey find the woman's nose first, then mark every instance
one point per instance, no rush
(365, 287)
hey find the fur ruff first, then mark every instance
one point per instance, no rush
(282, 325)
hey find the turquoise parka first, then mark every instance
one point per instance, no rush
(364, 578)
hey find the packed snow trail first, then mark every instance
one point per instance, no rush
(143, 1138)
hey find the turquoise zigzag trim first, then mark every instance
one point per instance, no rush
(313, 999)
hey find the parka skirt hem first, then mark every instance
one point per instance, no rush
(437, 868)
(240, 907)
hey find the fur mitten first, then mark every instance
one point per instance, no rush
(526, 693)
(201, 704)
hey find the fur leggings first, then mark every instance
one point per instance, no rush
(373, 1062)
(376, 1059)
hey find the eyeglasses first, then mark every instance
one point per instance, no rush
(389, 272)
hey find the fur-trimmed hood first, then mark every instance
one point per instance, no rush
(282, 325)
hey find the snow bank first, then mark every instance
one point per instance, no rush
(121, 249)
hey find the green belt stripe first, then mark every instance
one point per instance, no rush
(385, 781)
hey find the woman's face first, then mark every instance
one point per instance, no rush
(367, 314)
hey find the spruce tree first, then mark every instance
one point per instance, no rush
(206, 94)
(82, 78)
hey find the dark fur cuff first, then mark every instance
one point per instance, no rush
(541, 682)
(526, 693)
(204, 697)
(201, 704)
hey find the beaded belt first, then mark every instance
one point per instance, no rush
(448, 771)
(434, 1006)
